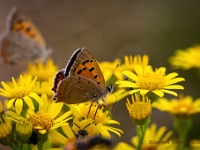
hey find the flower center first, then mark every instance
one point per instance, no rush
(19, 92)
(139, 110)
(151, 81)
(183, 109)
(42, 120)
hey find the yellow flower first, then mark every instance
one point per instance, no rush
(186, 59)
(44, 72)
(43, 87)
(101, 119)
(183, 106)
(110, 68)
(139, 110)
(23, 130)
(5, 130)
(20, 92)
(47, 117)
(82, 128)
(194, 144)
(155, 139)
(146, 80)
(114, 97)
(5, 125)
(130, 62)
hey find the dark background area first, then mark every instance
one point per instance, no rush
(112, 29)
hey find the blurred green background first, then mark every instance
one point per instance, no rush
(112, 29)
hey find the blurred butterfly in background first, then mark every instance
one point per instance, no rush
(22, 41)
(81, 80)
(84, 142)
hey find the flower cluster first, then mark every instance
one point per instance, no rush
(33, 120)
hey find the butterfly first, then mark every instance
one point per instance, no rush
(81, 80)
(84, 142)
(22, 41)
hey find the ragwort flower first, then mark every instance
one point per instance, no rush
(145, 80)
(47, 117)
(100, 118)
(20, 94)
(183, 106)
(110, 68)
(44, 72)
(130, 62)
(186, 59)
(139, 110)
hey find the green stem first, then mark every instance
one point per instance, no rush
(40, 146)
(140, 134)
(141, 131)
(182, 125)
(27, 147)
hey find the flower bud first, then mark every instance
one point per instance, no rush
(6, 135)
(24, 130)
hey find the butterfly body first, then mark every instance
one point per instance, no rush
(82, 80)
(22, 42)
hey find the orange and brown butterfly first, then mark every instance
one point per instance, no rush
(22, 41)
(81, 80)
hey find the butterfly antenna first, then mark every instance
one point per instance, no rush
(84, 127)
(77, 126)
(110, 87)
(114, 102)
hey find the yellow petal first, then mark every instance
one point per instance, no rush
(18, 106)
(68, 131)
(143, 91)
(170, 92)
(54, 109)
(29, 102)
(5, 86)
(134, 91)
(42, 131)
(62, 117)
(57, 136)
(14, 82)
(158, 92)
(10, 103)
(37, 98)
(130, 75)
(13, 115)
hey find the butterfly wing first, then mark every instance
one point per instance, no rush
(77, 89)
(22, 41)
(18, 22)
(83, 63)
(57, 79)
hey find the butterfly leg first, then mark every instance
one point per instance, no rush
(91, 107)
(96, 111)
(103, 102)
